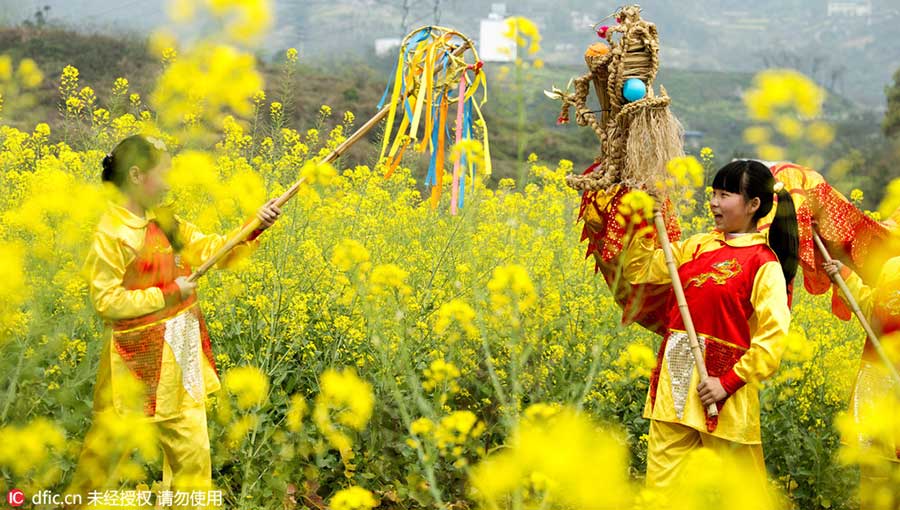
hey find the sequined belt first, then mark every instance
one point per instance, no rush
(142, 348)
(873, 398)
(720, 356)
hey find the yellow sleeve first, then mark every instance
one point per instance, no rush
(105, 266)
(199, 247)
(862, 293)
(768, 325)
(645, 263)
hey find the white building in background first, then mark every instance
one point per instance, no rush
(387, 46)
(860, 8)
(493, 46)
(581, 20)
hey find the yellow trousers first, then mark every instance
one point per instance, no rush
(183, 439)
(879, 486)
(670, 444)
(186, 459)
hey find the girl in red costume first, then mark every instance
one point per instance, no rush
(736, 281)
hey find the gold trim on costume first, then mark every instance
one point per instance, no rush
(156, 322)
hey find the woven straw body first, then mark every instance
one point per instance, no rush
(637, 138)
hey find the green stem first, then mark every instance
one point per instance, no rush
(427, 466)
(520, 129)
(13, 386)
(247, 465)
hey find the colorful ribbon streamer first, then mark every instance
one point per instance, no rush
(430, 74)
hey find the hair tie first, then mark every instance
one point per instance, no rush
(778, 186)
(156, 142)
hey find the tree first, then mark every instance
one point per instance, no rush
(40, 18)
(415, 12)
(891, 123)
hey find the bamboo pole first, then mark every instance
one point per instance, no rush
(711, 410)
(292, 191)
(870, 333)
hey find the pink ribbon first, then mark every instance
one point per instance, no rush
(454, 192)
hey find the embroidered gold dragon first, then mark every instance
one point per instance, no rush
(721, 273)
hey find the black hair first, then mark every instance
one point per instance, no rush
(753, 179)
(144, 153)
(136, 150)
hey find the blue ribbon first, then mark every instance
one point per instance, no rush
(462, 189)
(431, 178)
(413, 41)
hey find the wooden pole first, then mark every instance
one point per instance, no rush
(663, 236)
(292, 191)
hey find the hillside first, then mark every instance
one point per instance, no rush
(847, 46)
(708, 102)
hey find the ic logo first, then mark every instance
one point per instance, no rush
(15, 498)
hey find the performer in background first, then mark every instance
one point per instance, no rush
(874, 392)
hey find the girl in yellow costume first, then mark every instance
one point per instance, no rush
(874, 390)
(155, 333)
(736, 283)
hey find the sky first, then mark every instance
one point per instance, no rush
(732, 35)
